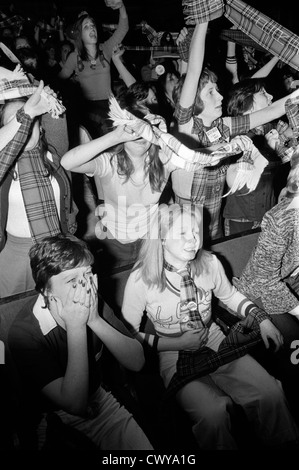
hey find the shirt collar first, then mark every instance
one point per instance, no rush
(43, 316)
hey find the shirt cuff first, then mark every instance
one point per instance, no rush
(21, 116)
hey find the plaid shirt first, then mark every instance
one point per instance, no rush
(8, 156)
(209, 183)
(10, 153)
(243, 336)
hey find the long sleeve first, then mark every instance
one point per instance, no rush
(236, 302)
(117, 36)
(274, 258)
(11, 151)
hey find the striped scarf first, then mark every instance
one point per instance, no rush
(190, 317)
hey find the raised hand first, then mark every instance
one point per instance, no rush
(114, 4)
(117, 52)
(37, 104)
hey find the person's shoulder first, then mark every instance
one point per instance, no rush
(72, 57)
(24, 323)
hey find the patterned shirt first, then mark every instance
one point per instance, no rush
(275, 257)
(207, 184)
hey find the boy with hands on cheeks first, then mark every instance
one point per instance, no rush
(57, 341)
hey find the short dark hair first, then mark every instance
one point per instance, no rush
(56, 254)
(241, 96)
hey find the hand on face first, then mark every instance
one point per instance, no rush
(75, 309)
(126, 133)
(93, 307)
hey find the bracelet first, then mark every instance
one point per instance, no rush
(231, 57)
(155, 343)
(231, 60)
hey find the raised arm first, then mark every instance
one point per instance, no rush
(231, 61)
(269, 113)
(122, 27)
(124, 73)
(80, 159)
(266, 69)
(194, 68)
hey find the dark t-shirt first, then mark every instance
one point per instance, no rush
(38, 346)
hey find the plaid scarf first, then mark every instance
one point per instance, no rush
(204, 10)
(38, 195)
(243, 336)
(153, 129)
(15, 84)
(234, 35)
(265, 32)
(190, 317)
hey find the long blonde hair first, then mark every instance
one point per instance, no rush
(150, 261)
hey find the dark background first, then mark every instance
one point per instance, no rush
(161, 14)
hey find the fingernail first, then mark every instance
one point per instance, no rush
(74, 286)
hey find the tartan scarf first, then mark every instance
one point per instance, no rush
(190, 316)
(15, 84)
(38, 195)
(265, 32)
(153, 129)
(243, 336)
